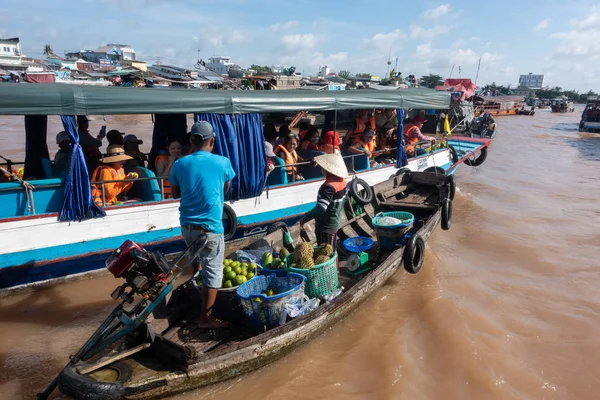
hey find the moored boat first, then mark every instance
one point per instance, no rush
(497, 106)
(177, 356)
(52, 231)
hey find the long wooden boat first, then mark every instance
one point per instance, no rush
(182, 357)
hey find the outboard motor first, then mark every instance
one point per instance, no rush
(144, 272)
(483, 126)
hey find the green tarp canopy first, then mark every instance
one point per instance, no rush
(62, 99)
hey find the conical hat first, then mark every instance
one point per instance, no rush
(333, 163)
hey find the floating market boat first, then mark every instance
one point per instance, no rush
(497, 106)
(590, 117)
(561, 105)
(177, 356)
(52, 231)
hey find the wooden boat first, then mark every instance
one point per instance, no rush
(182, 357)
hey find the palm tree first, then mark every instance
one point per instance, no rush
(344, 74)
(48, 50)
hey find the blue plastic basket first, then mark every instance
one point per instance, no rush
(269, 311)
(392, 236)
(356, 244)
(276, 272)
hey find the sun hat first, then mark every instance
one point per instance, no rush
(333, 163)
(132, 139)
(269, 149)
(203, 129)
(419, 119)
(61, 137)
(114, 153)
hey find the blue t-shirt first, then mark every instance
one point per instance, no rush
(201, 177)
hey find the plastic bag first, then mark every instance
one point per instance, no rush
(254, 255)
(333, 294)
(298, 307)
(388, 221)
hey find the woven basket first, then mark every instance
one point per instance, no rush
(321, 280)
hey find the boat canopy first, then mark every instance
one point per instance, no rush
(62, 99)
(465, 86)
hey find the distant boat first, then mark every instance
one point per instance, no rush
(561, 105)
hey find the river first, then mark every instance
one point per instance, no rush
(507, 305)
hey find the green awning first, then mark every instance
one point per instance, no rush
(62, 99)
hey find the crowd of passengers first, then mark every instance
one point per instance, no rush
(373, 133)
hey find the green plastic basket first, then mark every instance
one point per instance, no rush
(320, 280)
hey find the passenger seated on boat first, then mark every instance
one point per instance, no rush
(413, 135)
(114, 137)
(312, 139)
(303, 128)
(288, 153)
(89, 144)
(131, 144)
(164, 163)
(365, 144)
(270, 156)
(363, 120)
(331, 142)
(386, 121)
(62, 156)
(111, 170)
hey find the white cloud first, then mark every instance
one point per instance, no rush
(298, 40)
(582, 41)
(543, 24)
(382, 42)
(284, 27)
(435, 13)
(418, 32)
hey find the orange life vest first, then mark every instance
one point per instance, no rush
(302, 133)
(367, 146)
(111, 190)
(164, 159)
(409, 143)
(308, 145)
(361, 127)
(290, 158)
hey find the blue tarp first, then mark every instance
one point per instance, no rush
(79, 203)
(240, 139)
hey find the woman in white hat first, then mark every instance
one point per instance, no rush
(111, 169)
(327, 213)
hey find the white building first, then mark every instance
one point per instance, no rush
(531, 81)
(10, 51)
(219, 64)
(324, 71)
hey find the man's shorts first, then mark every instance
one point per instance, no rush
(210, 258)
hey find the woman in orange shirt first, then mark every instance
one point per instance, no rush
(288, 153)
(111, 170)
(164, 163)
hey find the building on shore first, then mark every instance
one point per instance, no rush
(109, 54)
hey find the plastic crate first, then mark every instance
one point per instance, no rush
(390, 237)
(321, 280)
(268, 311)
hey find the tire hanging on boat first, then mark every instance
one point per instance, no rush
(479, 160)
(229, 214)
(451, 186)
(73, 384)
(414, 254)
(446, 213)
(453, 154)
(436, 170)
(403, 170)
(362, 196)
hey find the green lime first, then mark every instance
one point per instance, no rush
(230, 275)
(250, 275)
(244, 265)
(227, 269)
(227, 262)
(244, 271)
(257, 299)
(239, 280)
(237, 269)
(228, 284)
(252, 267)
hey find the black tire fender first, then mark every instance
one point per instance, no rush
(414, 254)
(453, 154)
(436, 170)
(479, 160)
(446, 213)
(355, 191)
(451, 186)
(403, 170)
(230, 214)
(84, 387)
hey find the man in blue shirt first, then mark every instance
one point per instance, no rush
(201, 180)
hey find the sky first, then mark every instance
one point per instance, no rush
(560, 39)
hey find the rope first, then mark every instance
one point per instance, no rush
(29, 188)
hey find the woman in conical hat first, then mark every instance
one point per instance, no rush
(327, 213)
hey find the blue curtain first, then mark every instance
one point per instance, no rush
(79, 203)
(240, 139)
(401, 159)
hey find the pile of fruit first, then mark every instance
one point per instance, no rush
(266, 292)
(270, 261)
(234, 273)
(306, 257)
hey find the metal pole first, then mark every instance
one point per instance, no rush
(103, 196)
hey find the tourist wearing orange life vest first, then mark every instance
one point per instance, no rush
(364, 120)
(164, 163)
(287, 152)
(311, 139)
(331, 143)
(413, 135)
(111, 170)
(365, 144)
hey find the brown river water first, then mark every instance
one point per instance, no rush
(507, 305)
